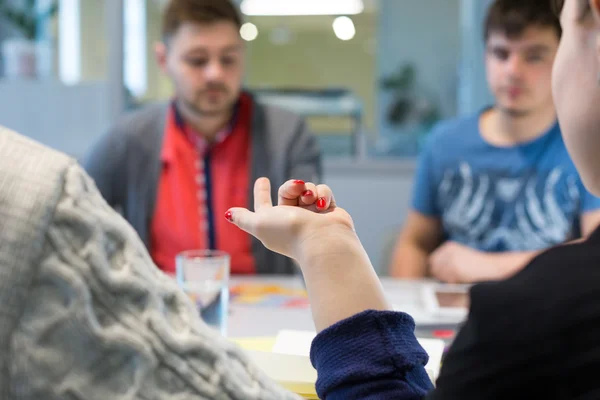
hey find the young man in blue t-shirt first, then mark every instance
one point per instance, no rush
(495, 188)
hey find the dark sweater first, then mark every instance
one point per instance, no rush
(535, 335)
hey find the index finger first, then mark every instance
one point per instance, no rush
(262, 194)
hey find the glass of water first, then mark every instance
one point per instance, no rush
(204, 276)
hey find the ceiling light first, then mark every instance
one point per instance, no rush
(249, 32)
(302, 7)
(344, 29)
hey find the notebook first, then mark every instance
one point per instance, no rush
(295, 373)
(285, 359)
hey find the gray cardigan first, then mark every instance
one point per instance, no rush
(84, 314)
(126, 166)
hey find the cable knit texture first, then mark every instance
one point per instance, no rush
(84, 314)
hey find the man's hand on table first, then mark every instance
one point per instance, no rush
(453, 262)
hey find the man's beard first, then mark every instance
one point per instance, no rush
(195, 104)
(195, 108)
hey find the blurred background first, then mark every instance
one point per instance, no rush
(371, 77)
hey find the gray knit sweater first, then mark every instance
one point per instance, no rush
(84, 314)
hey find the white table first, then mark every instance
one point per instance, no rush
(255, 321)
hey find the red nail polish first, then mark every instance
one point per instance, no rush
(229, 216)
(299, 182)
(321, 203)
(307, 193)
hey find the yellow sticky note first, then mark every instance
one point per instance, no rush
(255, 343)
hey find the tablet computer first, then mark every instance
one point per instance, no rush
(447, 300)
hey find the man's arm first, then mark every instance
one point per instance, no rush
(105, 163)
(456, 263)
(503, 265)
(422, 231)
(589, 222)
(419, 237)
(305, 157)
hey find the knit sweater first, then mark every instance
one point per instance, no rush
(84, 313)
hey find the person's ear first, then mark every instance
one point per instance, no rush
(160, 53)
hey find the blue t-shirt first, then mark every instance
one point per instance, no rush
(518, 198)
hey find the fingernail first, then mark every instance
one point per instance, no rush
(299, 182)
(229, 216)
(307, 193)
(321, 203)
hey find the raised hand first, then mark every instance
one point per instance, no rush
(306, 213)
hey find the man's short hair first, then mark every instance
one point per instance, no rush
(178, 12)
(513, 17)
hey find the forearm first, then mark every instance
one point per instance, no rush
(409, 261)
(341, 281)
(497, 266)
(105, 164)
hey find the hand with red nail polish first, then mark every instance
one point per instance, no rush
(321, 203)
(309, 227)
(314, 197)
(295, 216)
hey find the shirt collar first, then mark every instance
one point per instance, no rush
(195, 138)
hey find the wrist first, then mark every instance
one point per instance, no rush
(337, 241)
(339, 277)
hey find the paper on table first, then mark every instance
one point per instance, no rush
(293, 372)
(293, 342)
(256, 343)
(298, 343)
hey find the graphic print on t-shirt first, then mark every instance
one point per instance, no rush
(494, 211)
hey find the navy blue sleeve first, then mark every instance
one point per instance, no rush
(372, 355)
(424, 190)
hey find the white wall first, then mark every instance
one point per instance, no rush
(68, 118)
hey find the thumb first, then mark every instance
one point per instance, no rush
(242, 218)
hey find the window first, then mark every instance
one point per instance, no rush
(136, 74)
(69, 42)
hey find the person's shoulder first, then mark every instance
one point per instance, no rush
(277, 114)
(16, 149)
(32, 177)
(280, 125)
(140, 121)
(32, 180)
(457, 126)
(272, 112)
(452, 132)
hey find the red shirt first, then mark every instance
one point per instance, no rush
(198, 183)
